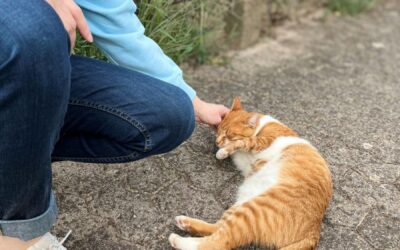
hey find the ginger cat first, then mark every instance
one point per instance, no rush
(282, 200)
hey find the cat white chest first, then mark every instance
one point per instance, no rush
(268, 175)
(243, 161)
(259, 182)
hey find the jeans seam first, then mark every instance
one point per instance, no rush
(120, 114)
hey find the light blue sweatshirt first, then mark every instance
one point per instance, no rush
(118, 32)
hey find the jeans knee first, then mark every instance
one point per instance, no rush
(35, 50)
(36, 34)
(35, 61)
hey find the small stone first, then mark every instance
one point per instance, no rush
(113, 172)
(373, 178)
(367, 146)
(378, 45)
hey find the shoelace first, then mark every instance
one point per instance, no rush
(56, 245)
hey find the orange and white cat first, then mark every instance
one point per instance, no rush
(282, 200)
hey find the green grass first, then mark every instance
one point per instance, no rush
(84, 48)
(350, 7)
(177, 28)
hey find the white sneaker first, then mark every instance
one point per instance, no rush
(49, 242)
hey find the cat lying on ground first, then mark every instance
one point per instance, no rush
(282, 200)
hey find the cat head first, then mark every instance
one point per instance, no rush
(236, 125)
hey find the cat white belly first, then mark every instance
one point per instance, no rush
(268, 175)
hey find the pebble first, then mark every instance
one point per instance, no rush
(378, 45)
(367, 146)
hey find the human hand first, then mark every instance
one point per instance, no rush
(72, 18)
(209, 113)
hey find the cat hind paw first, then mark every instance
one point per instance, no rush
(183, 243)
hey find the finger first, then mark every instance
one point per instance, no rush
(69, 24)
(223, 110)
(80, 21)
(215, 121)
(72, 37)
(198, 119)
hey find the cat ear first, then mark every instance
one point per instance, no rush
(253, 120)
(236, 104)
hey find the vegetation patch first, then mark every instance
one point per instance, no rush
(173, 26)
(350, 7)
(183, 29)
(86, 49)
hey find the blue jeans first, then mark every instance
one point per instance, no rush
(56, 107)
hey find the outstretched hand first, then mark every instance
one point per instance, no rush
(72, 18)
(209, 113)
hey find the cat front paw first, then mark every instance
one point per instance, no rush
(222, 154)
(182, 222)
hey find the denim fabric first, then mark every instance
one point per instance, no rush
(55, 107)
(118, 115)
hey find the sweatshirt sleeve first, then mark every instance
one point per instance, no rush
(118, 32)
